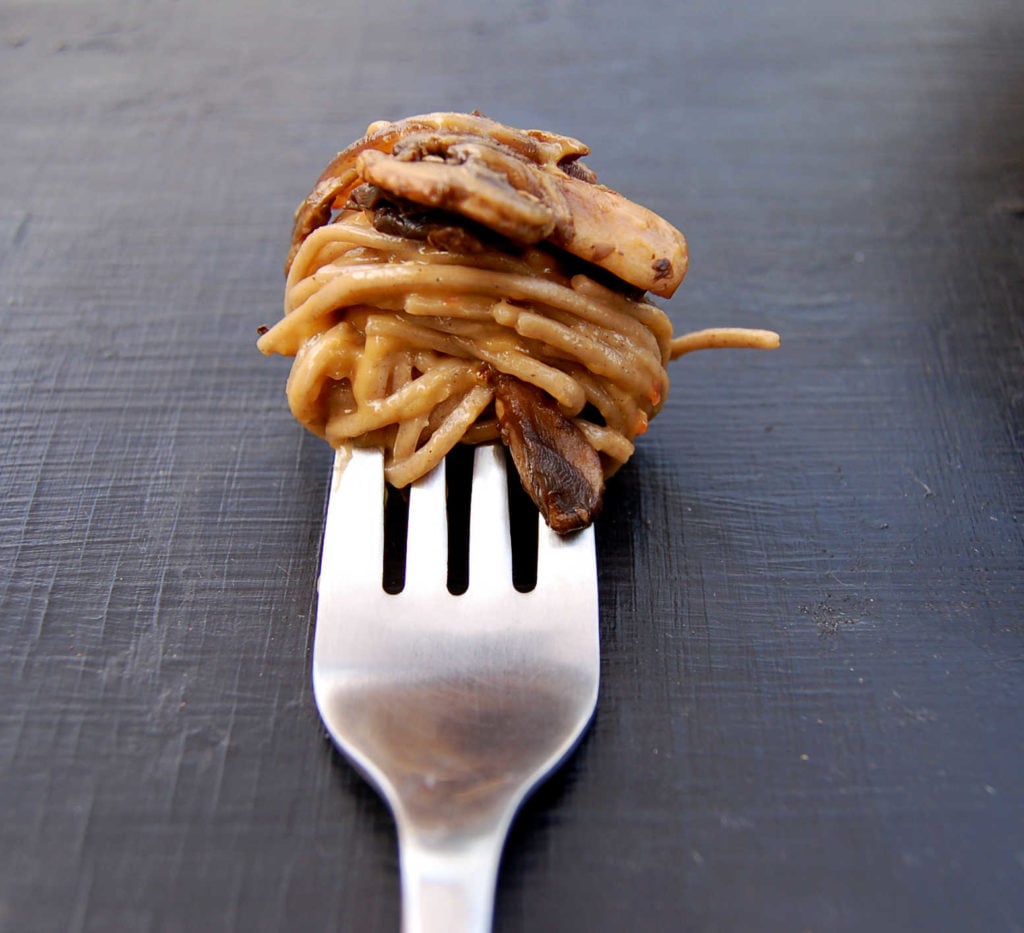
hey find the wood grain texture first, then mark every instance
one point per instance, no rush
(811, 573)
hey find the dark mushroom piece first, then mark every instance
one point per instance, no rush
(559, 469)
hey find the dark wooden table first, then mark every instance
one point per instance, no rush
(812, 574)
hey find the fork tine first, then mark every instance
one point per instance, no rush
(426, 565)
(353, 545)
(490, 536)
(566, 562)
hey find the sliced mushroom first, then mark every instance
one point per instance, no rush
(559, 469)
(628, 240)
(470, 189)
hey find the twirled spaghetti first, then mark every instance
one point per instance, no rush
(414, 335)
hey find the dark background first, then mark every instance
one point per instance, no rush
(811, 573)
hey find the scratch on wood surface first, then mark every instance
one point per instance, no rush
(928, 491)
(21, 231)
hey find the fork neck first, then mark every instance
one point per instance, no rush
(449, 888)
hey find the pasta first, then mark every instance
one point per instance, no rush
(415, 316)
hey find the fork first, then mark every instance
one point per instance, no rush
(453, 706)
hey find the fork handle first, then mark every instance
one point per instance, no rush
(450, 888)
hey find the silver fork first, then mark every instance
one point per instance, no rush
(455, 707)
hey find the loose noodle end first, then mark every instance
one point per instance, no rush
(724, 338)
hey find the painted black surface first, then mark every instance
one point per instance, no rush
(813, 618)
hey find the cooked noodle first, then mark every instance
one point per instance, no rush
(393, 341)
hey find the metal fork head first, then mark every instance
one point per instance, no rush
(453, 706)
